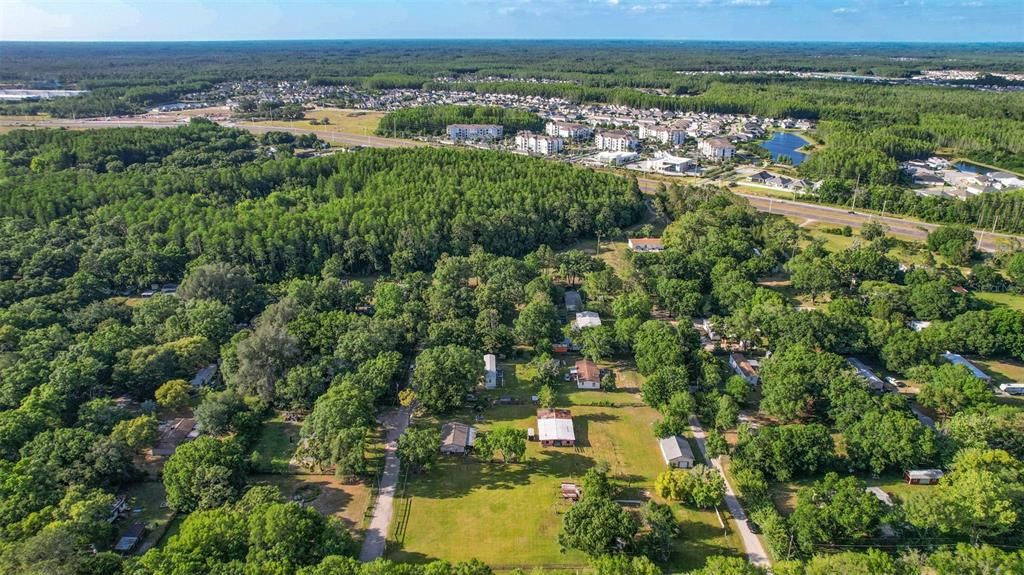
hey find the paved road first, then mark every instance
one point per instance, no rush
(377, 533)
(755, 551)
(987, 241)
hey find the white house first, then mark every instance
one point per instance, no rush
(677, 452)
(744, 368)
(874, 382)
(554, 428)
(616, 140)
(539, 143)
(645, 244)
(587, 374)
(463, 132)
(957, 359)
(490, 371)
(716, 148)
(585, 319)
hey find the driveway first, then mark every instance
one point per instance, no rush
(376, 536)
(755, 551)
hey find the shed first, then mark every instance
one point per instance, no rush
(131, 538)
(677, 452)
(457, 438)
(573, 301)
(490, 371)
(923, 476)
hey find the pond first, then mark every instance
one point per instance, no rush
(786, 144)
(972, 168)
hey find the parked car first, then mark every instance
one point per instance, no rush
(754, 527)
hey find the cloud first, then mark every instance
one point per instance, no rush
(750, 2)
(845, 10)
(974, 4)
(613, 2)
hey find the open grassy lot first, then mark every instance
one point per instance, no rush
(340, 120)
(509, 515)
(146, 505)
(785, 494)
(326, 493)
(1001, 370)
(277, 444)
(1010, 300)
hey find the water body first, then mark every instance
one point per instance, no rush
(972, 168)
(786, 144)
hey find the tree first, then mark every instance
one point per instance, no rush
(596, 483)
(871, 231)
(632, 304)
(660, 386)
(727, 413)
(967, 559)
(785, 452)
(444, 375)
(174, 394)
(834, 510)
(507, 440)
(597, 526)
(418, 448)
(792, 378)
(203, 474)
(722, 565)
(622, 565)
(345, 406)
(657, 345)
(880, 440)
(1015, 268)
(537, 321)
(677, 414)
(348, 451)
(954, 241)
(137, 433)
(546, 396)
(737, 387)
(951, 388)
(854, 563)
(595, 342)
(701, 486)
(715, 444)
(216, 413)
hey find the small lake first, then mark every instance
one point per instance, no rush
(972, 168)
(786, 144)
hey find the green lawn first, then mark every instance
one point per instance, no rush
(146, 505)
(277, 444)
(509, 515)
(1012, 301)
(785, 494)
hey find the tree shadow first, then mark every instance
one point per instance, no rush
(581, 426)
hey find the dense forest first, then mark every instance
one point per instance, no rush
(432, 120)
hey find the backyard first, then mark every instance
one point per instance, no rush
(509, 515)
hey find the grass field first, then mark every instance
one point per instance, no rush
(1001, 370)
(509, 515)
(326, 493)
(146, 505)
(342, 121)
(277, 445)
(1010, 300)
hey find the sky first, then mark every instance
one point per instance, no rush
(765, 20)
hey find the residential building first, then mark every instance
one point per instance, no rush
(554, 428)
(130, 539)
(747, 369)
(172, 434)
(457, 438)
(464, 132)
(874, 382)
(569, 131)
(585, 319)
(205, 376)
(676, 452)
(923, 476)
(490, 371)
(616, 140)
(957, 359)
(539, 143)
(573, 301)
(587, 374)
(668, 135)
(645, 244)
(716, 148)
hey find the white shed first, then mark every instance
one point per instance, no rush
(677, 452)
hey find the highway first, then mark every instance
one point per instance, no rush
(910, 229)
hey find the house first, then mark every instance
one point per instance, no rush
(172, 434)
(587, 374)
(490, 371)
(464, 132)
(457, 438)
(919, 325)
(573, 301)
(554, 428)
(646, 244)
(585, 319)
(616, 140)
(131, 538)
(923, 476)
(874, 382)
(571, 491)
(677, 452)
(761, 177)
(957, 359)
(744, 368)
(717, 148)
(205, 376)
(539, 143)
(569, 131)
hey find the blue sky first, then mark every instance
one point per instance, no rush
(834, 20)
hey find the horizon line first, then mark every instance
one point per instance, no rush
(514, 39)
